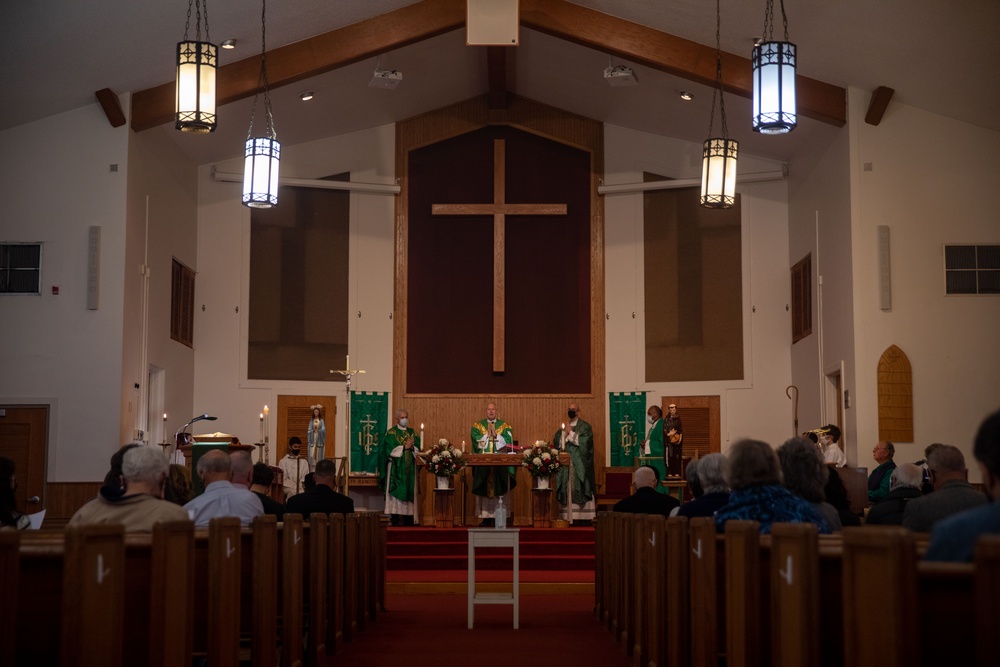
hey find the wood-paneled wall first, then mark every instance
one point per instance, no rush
(63, 499)
(533, 417)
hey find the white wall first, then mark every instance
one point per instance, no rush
(755, 406)
(820, 223)
(53, 350)
(933, 181)
(220, 383)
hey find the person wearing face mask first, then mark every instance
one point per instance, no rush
(294, 468)
(829, 437)
(577, 437)
(397, 470)
(653, 450)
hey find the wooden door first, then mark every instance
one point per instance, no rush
(23, 436)
(700, 416)
(294, 413)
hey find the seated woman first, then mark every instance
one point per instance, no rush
(757, 492)
(806, 475)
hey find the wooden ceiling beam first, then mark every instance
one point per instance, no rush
(496, 66)
(673, 55)
(423, 20)
(310, 57)
(878, 104)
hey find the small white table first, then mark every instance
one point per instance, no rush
(493, 537)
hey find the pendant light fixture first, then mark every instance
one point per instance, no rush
(774, 78)
(197, 62)
(718, 166)
(260, 166)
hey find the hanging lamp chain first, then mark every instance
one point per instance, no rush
(768, 34)
(262, 81)
(197, 26)
(718, 93)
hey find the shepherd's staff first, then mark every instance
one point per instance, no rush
(795, 408)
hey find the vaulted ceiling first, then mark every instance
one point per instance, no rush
(937, 56)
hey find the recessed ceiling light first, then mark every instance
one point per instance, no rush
(228, 44)
(306, 96)
(686, 96)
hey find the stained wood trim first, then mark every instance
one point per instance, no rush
(878, 104)
(617, 37)
(112, 106)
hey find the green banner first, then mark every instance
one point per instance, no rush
(628, 420)
(369, 420)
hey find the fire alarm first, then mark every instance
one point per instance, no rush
(55, 290)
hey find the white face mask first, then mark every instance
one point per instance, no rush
(403, 421)
(650, 419)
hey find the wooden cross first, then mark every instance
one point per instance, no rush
(499, 209)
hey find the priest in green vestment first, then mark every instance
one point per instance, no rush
(492, 436)
(576, 437)
(397, 470)
(653, 450)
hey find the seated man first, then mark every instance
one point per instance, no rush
(711, 472)
(646, 499)
(144, 470)
(321, 499)
(221, 498)
(878, 481)
(260, 484)
(904, 486)
(953, 539)
(952, 492)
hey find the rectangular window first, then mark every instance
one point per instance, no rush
(182, 304)
(20, 268)
(802, 298)
(972, 269)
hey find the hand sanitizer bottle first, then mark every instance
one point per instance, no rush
(500, 515)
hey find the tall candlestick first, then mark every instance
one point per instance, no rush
(266, 424)
(261, 427)
(421, 435)
(348, 362)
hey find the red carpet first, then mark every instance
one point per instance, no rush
(418, 630)
(551, 551)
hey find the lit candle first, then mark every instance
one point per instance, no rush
(164, 416)
(266, 425)
(261, 427)
(463, 446)
(421, 435)
(564, 427)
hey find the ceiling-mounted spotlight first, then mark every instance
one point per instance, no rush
(620, 76)
(228, 44)
(686, 96)
(385, 78)
(306, 96)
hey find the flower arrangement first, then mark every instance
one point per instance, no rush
(444, 460)
(540, 459)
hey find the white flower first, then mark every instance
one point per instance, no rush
(446, 453)
(444, 442)
(457, 453)
(435, 458)
(537, 461)
(546, 456)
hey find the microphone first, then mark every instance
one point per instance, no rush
(204, 417)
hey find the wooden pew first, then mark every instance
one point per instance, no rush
(655, 609)
(678, 602)
(335, 580)
(350, 627)
(9, 573)
(747, 579)
(707, 593)
(987, 584)
(795, 594)
(317, 589)
(292, 555)
(261, 580)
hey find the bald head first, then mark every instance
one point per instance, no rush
(214, 466)
(643, 477)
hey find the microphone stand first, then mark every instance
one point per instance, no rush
(205, 417)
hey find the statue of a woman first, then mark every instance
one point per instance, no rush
(316, 436)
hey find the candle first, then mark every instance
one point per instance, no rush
(266, 425)
(348, 362)
(564, 427)
(164, 416)
(421, 435)
(463, 446)
(261, 427)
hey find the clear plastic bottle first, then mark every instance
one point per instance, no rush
(500, 515)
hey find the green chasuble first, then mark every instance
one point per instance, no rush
(492, 482)
(582, 454)
(400, 479)
(656, 451)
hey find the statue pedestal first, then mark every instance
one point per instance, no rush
(443, 512)
(541, 508)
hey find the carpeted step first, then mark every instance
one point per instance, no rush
(491, 562)
(413, 534)
(438, 549)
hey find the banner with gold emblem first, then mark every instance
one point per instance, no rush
(369, 420)
(627, 422)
